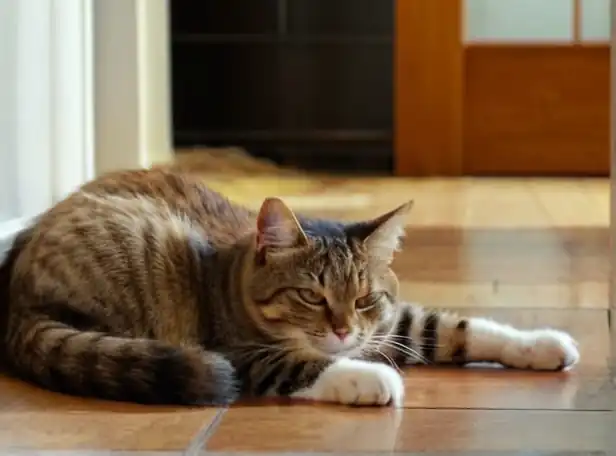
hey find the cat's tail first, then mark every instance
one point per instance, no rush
(64, 359)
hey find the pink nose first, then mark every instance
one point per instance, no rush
(342, 333)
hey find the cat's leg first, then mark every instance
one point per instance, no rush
(317, 377)
(439, 337)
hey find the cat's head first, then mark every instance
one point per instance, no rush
(326, 285)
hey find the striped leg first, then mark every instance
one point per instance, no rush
(440, 337)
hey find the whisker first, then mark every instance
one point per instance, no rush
(389, 360)
(385, 337)
(387, 357)
(392, 336)
(409, 351)
(398, 336)
(403, 349)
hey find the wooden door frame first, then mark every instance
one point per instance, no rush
(428, 87)
(132, 84)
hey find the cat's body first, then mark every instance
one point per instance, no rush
(147, 286)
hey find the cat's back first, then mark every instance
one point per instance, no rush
(125, 213)
(184, 192)
(125, 225)
(162, 196)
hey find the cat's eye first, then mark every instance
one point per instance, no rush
(311, 297)
(368, 302)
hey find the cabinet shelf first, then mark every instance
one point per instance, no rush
(286, 77)
(275, 39)
(307, 135)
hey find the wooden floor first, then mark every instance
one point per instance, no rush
(529, 252)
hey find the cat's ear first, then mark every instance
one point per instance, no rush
(382, 235)
(277, 226)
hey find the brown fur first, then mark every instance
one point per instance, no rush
(147, 286)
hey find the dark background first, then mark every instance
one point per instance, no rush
(303, 82)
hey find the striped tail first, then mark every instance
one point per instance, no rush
(64, 359)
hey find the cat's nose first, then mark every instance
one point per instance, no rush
(342, 332)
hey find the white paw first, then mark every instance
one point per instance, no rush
(350, 381)
(541, 349)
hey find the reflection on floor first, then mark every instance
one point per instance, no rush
(532, 252)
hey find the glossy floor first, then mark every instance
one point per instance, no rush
(529, 252)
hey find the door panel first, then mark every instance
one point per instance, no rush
(536, 110)
(595, 20)
(527, 88)
(517, 20)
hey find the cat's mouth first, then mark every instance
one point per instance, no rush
(333, 345)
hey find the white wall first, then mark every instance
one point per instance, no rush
(8, 109)
(84, 84)
(534, 20)
(45, 106)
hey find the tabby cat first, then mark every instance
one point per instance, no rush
(147, 286)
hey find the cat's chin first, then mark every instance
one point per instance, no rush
(337, 352)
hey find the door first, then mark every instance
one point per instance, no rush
(502, 87)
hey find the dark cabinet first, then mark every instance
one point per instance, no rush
(300, 81)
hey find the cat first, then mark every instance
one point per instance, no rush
(147, 286)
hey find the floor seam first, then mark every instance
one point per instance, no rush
(198, 441)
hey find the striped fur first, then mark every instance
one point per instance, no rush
(147, 286)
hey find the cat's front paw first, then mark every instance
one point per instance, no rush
(541, 349)
(354, 382)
